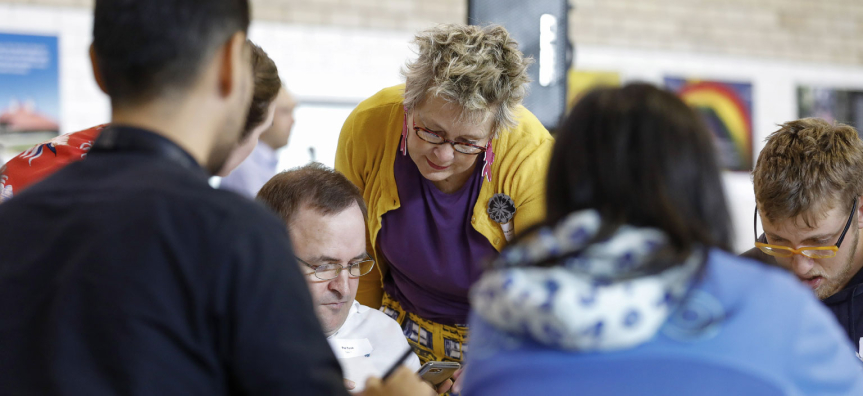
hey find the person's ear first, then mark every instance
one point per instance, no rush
(97, 73)
(233, 62)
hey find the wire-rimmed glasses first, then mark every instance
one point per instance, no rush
(330, 271)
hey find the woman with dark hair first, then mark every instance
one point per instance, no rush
(629, 287)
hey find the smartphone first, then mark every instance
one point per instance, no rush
(437, 372)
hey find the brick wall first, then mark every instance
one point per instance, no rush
(386, 14)
(381, 14)
(800, 30)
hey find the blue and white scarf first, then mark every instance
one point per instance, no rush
(577, 305)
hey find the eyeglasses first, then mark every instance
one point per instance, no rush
(816, 252)
(433, 138)
(332, 271)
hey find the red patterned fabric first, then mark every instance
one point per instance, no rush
(44, 159)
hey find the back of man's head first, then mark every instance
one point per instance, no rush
(314, 186)
(150, 48)
(808, 167)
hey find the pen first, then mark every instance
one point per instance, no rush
(397, 364)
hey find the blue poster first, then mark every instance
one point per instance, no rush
(29, 87)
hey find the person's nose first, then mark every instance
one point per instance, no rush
(445, 153)
(340, 283)
(801, 265)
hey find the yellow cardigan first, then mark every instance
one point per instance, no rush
(366, 153)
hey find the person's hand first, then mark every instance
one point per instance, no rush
(458, 378)
(350, 385)
(443, 387)
(403, 382)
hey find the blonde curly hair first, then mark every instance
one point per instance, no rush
(478, 68)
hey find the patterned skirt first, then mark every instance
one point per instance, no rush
(431, 341)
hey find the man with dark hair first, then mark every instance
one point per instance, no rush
(326, 219)
(808, 186)
(125, 273)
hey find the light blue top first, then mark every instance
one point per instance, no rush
(774, 338)
(252, 173)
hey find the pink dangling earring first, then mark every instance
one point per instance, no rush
(489, 159)
(404, 147)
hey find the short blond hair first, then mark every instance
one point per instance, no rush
(480, 69)
(806, 168)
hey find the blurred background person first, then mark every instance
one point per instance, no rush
(428, 156)
(262, 110)
(629, 288)
(251, 174)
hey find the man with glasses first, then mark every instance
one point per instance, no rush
(326, 219)
(808, 181)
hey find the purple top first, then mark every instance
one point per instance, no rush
(434, 252)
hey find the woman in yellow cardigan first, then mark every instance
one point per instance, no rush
(429, 156)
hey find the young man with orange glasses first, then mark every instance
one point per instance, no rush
(808, 181)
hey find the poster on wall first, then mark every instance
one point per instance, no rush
(833, 105)
(727, 111)
(29, 92)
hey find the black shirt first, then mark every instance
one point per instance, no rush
(126, 274)
(846, 304)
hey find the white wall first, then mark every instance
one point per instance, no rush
(330, 69)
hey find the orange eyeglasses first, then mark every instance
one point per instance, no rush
(815, 252)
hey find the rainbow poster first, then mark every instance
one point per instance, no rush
(727, 111)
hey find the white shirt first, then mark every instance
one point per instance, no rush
(252, 173)
(368, 344)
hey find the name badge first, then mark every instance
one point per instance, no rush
(351, 348)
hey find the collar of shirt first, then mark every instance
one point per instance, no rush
(120, 138)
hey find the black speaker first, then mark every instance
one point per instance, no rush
(540, 27)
